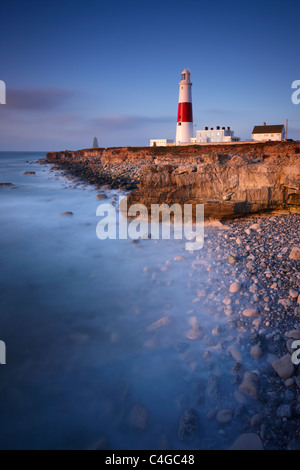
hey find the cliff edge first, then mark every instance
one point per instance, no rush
(231, 180)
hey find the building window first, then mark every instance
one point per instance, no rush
(183, 76)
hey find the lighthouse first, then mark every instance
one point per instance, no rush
(184, 129)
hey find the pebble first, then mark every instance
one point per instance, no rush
(194, 333)
(289, 382)
(224, 416)
(235, 353)
(247, 441)
(284, 366)
(250, 312)
(232, 259)
(295, 253)
(256, 420)
(256, 351)
(235, 287)
(255, 227)
(293, 293)
(284, 411)
(295, 334)
(249, 385)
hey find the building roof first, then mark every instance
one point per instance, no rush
(268, 129)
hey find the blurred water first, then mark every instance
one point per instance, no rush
(75, 313)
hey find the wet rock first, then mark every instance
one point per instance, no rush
(217, 330)
(6, 185)
(293, 293)
(256, 351)
(224, 416)
(289, 382)
(29, 173)
(240, 398)
(238, 369)
(235, 353)
(255, 227)
(195, 333)
(101, 196)
(256, 420)
(295, 334)
(295, 253)
(256, 321)
(249, 312)
(247, 441)
(289, 395)
(297, 312)
(232, 259)
(235, 287)
(67, 213)
(249, 385)
(297, 380)
(284, 366)
(138, 417)
(212, 389)
(164, 321)
(284, 411)
(288, 344)
(189, 425)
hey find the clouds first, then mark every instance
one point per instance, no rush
(127, 122)
(39, 99)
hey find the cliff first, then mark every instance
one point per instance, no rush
(230, 179)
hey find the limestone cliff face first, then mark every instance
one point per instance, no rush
(227, 185)
(229, 179)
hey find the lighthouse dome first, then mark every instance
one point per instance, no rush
(186, 76)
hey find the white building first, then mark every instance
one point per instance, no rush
(216, 135)
(160, 142)
(266, 133)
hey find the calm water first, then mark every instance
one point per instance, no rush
(75, 313)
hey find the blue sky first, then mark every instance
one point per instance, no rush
(76, 70)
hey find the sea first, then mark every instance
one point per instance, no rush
(97, 355)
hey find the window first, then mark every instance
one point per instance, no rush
(183, 76)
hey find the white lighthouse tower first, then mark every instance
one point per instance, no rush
(184, 130)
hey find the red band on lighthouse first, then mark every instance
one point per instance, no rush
(185, 112)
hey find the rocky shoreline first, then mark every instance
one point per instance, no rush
(252, 293)
(230, 180)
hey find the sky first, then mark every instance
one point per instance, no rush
(110, 69)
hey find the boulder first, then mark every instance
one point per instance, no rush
(247, 441)
(284, 366)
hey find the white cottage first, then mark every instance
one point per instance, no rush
(265, 133)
